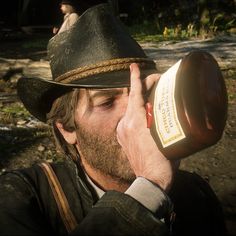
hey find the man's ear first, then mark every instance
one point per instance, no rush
(70, 137)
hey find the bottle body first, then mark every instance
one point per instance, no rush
(189, 106)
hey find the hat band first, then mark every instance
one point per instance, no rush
(103, 67)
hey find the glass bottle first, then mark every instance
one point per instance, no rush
(189, 106)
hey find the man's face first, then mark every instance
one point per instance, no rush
(65, 8)
(97, 116)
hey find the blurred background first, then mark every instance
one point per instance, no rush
(179, 18)
(166, 29)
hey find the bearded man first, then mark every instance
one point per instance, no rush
(114, 180)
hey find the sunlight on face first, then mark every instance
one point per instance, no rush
(99, 147)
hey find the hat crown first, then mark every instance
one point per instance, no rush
(97, 36)
(69, 2)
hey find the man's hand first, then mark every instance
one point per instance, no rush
(55, 30)
(135, 138)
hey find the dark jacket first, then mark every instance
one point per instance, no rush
(28, 207)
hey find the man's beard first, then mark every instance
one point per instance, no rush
(104, 153)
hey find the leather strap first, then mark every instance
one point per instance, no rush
(62, 203)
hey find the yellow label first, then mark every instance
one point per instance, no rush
(167, 123)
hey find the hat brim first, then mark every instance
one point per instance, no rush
(38, 94)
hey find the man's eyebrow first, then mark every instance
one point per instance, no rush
(106, 93)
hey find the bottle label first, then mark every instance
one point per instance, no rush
(165, 115)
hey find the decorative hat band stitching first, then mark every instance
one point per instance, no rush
(103, 67)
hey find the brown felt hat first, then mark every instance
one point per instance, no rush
(95, 53)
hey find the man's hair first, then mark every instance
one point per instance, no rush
(63, 111)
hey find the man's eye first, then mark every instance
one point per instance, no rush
(106, 104)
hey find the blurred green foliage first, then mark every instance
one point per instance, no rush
(179, 19)
(11, 113)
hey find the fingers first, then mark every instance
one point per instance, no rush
(151, 80)
(141, 87)
(136, 88)
(135, 138)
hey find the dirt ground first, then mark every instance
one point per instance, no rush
(24, 141)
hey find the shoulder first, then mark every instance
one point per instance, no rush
(64, 171)
(189, 188)
(195, 203)
(33, 180)
(15, 185)
(29, 193)
(187, 183)
(74, 15)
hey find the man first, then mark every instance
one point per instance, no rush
(69, 10)
(115, 181)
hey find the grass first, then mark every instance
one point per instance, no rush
(11, 113)
(148, 32)
(153, 38)
(15, 109)
(231, 90)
